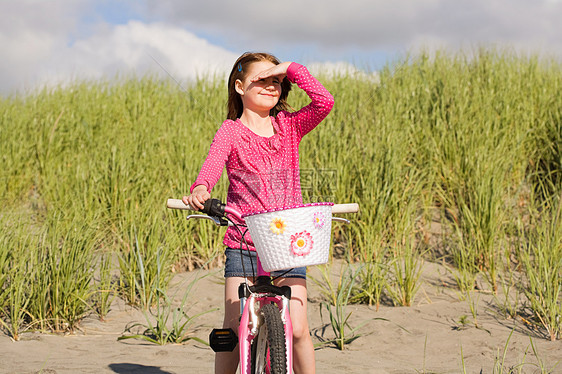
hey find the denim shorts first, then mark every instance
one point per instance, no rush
(233, 265)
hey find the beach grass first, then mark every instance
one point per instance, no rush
(452, 156)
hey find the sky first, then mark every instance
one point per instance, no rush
(54, 42)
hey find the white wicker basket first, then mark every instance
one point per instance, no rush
(294, 237)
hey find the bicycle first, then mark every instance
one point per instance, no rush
(265, 337)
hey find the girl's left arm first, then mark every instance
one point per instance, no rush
(307, 118)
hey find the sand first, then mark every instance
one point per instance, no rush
(424, 338)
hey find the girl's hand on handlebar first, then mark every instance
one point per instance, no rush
(197, 197)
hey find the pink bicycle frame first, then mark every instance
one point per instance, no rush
(248, 327)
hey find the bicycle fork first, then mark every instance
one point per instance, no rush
(250, 324)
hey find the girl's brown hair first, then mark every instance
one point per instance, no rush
(239, 71)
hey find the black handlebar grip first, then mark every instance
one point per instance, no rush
(214, 208)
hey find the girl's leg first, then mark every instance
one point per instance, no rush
(303, 349)
(227, 362)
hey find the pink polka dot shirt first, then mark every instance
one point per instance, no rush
(264, 171)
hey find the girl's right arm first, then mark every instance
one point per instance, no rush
(211, 170)
(308, 117)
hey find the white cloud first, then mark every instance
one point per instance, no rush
(371, 24)
(45, 46)
(28, 36)
(56, 40)
(141, 48)
(335, 69)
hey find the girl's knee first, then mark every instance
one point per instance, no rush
(300, 330)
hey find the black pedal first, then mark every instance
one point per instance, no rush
(223, 340)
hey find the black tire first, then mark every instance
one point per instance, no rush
(273, 327)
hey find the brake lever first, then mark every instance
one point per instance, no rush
(216, 220)
(339, 219)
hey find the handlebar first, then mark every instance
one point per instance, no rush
(216, 211)
(336, 208)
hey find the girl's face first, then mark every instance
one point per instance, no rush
(262, 95)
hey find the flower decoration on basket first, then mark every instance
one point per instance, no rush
(301, 243)
(277, 225)
(319, 219)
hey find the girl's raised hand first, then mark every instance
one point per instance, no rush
(275, 71)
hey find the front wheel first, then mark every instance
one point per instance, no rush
(269, 353)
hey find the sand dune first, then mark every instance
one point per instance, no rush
(424, 338)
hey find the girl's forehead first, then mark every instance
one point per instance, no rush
(258, 66)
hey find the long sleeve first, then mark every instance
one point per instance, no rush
(213, 166)
(307, 118)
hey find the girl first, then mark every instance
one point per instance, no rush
(259, 143)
